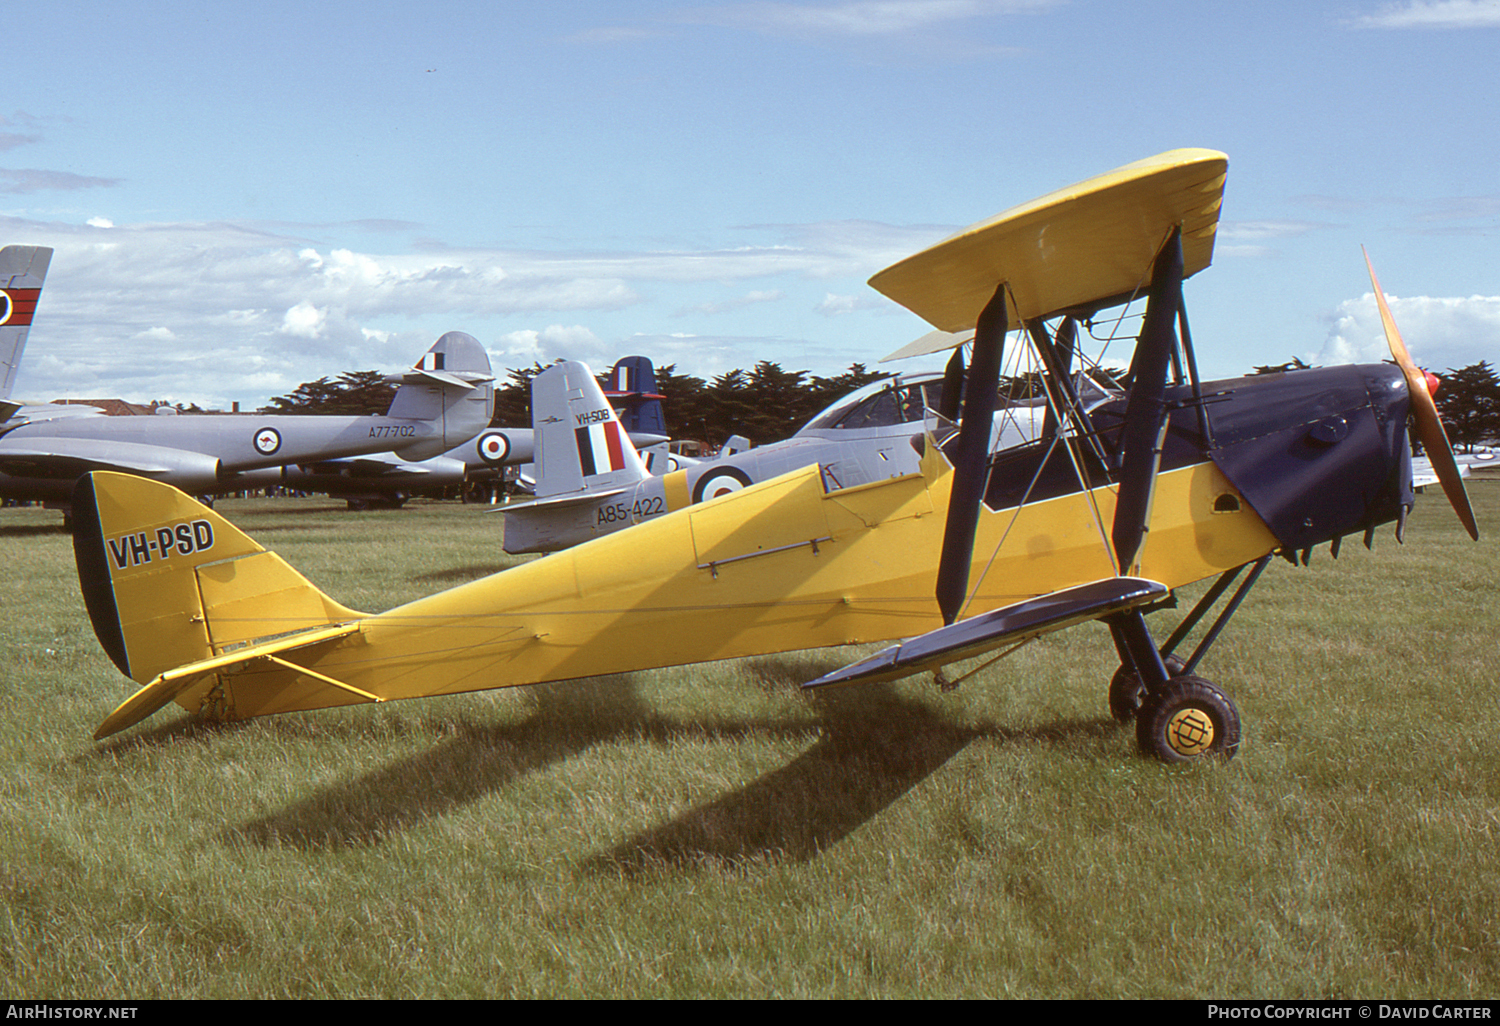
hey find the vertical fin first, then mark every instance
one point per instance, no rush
(632, 390)
(167, 581)
(22, 271)
(452, 384)
(580, 444)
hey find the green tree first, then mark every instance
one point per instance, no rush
(1469, 400)
(684, 403)
(354, 393)
(513, 397)
(1294, 364)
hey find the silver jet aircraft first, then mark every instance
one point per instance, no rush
(387, 481)
(590, 481)
(443, 401)
(23, 269)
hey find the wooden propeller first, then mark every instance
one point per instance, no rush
(1424, 410)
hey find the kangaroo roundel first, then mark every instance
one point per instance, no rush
(267, 441)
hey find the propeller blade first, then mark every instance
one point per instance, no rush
(1429, 422)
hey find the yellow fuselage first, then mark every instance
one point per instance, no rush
(778, 567)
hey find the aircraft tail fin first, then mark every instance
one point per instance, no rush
(452, 384)
(168, 582)
(22, 271)
(632, 390)
(580, 444)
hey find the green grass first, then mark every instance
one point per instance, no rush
(712, 832)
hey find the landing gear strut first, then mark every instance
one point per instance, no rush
(1179, 717)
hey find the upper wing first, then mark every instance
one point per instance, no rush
(1082, 247)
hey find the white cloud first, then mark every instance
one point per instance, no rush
(240, 296)
(303, 321)
(551, 343)
(1440, 14)
(835, 305)
(613, 34)
(738, 303)
(28, 180)
(1270, 228)
(1440, 332)
(859, 17)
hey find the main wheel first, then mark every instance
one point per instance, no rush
(1187, 720)
(1126, 692)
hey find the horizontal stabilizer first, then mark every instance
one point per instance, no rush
(418, 376)
(557, 502)
(172, 683)
(932, 342)
(1011, 624)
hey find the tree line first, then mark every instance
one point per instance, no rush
(1467, 397)
(769, 403)
(765, 404)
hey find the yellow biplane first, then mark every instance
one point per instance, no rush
(1099, 518)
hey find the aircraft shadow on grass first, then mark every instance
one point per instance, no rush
(872, 746)
(866, 755)
(30, 530)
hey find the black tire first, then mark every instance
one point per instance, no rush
(720, 481)
(1126, 692)
(1188, 720)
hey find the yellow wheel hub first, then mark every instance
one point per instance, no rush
(1190, 732)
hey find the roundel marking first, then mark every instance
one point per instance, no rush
(267, 441)
(493, 447)
(7, 307)
(719, 482)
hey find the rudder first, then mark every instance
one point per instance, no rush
(453, 385)
(23, 269)
(581, 447)
(167, 581)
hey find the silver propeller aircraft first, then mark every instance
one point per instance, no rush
(591, 482)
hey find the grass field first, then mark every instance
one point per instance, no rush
(712, 832)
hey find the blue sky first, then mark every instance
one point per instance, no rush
(245, 197)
